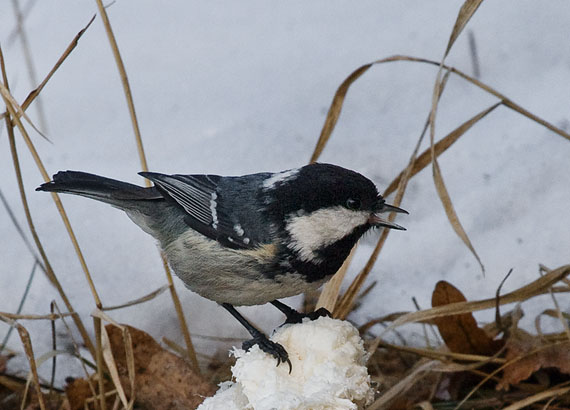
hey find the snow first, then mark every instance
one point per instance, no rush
(328, 371)
(241, 87)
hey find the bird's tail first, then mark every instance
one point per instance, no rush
(111, 191)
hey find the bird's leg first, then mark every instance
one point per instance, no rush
(258, 338)
(295, 317)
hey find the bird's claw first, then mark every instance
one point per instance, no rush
(296, 317)
(320, 312)
(269, 347)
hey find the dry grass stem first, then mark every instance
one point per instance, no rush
(125, 83)
(330, 292)
(347, 301)
(25, 12)
(538, 287)
(191, 353)
(20, 231)
(35, 93)
(441, 354)
(21, 32)
(27, 342)
(112, 366)
(338, 100)
(496, 371)
(440, 147)
(545, 269)
(506, 100)
(450, 211)
(334, 111)
(420, 371)
(76, 349)
(336, 105)
(467, 11)
(20, 305)
(469, 7)
(138, 301)
(99, 361)
(55, 196)
(48, 269)
(349, 298)
(142, 157)
(13, 316)
(18, 111)
(557, 314)
(553, 392)
(129, 354)
(563, 318)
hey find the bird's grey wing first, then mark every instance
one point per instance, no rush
(206, 208)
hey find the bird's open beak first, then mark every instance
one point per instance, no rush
(392, 208)
(376, 220)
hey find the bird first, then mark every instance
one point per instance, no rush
(250, 239)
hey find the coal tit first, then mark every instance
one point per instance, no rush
(251, 239)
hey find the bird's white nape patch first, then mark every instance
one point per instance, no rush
(213, 205)
(322, 228)
(278, 177)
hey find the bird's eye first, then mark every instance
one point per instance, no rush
(353, 204)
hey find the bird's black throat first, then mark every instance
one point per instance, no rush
(330, 257)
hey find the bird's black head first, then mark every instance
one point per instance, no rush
(317, 186)
(324, 209)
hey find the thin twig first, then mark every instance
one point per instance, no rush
(25, 13)
(474, 55)
(20, 231)
(498, 320)
(53, 347)
(21, 305)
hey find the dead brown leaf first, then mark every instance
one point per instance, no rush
(77, 391)
(162, 379)
(532, 355)
(3, 361)
(460, 332)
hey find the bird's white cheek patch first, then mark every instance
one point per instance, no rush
(322, 228)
